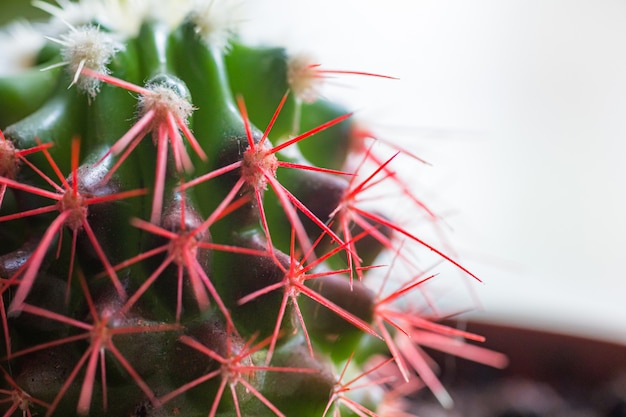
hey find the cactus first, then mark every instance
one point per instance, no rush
(182, 229)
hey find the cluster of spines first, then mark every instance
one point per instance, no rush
(235, 259)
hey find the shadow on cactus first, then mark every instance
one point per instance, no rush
(212, 268)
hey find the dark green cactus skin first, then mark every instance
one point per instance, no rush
(124, 318)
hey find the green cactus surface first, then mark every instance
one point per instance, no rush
(182, 228)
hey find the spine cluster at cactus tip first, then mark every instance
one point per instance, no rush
(185, 228)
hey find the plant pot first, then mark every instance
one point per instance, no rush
(549, 374)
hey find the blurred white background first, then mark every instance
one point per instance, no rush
(520, 107)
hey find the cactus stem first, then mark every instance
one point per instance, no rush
(236, 298)
(235, 368)
(100, 333)
(181, 250)
(20, 399)
(72, 204)
(293, 285)
(10, 159)
(166, 103)
(164, 113)
(339, 397)
(259, 168)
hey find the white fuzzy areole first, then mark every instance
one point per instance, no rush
(87, 46)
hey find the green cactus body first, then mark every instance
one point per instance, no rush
(180, 232)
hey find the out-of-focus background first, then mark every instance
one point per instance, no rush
(520, 107)
(11, 8)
